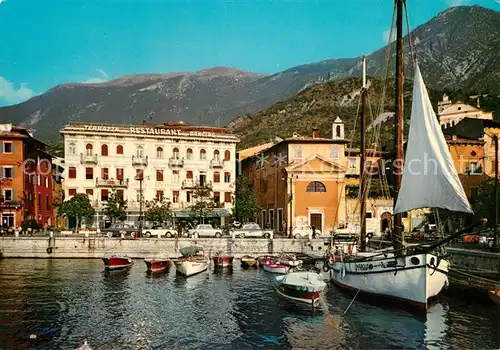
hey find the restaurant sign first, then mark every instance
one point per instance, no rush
(147, 131)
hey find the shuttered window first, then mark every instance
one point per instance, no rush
(119, 173)
(72, 173)
(216, 177)
(227, 197)
(89, 173)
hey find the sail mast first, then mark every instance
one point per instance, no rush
(363, 182)
(398, 137)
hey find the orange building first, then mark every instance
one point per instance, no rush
(25, 178)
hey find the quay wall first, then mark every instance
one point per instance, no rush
(478, 261)
(96, 247)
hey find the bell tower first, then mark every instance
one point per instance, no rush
(338, 129)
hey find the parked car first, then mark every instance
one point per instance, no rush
(159, 231)
(252, 229)
(204, 230)
(119, 228)
(304, 231)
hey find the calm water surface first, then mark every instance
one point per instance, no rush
(65, 302)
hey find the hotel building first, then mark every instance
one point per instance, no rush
(171, 159)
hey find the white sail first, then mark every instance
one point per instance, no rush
(429, 176)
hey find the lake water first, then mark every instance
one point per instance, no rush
(64, 302)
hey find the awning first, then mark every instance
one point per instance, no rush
(219, 213)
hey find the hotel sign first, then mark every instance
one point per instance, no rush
(147, 131)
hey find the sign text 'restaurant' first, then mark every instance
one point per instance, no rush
(148, 131)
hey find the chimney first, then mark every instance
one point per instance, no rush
(144, 123)
(315, 133)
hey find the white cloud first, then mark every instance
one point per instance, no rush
(10, 94)
(385, 36)
(95, 80)
(453, 3)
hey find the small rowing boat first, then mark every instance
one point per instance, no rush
(157, 265)
(301, 286)
(248, 261)
(276, 267)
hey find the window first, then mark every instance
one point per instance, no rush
(119, 149)
(72, 192)
(139, 152)
(175, 153)
(39, 201)
(119, 193)
(203, 154)
(175, 175)
(338, 131)
(227, 155)
(47, 202)
(46, 182)
(227, 197)
(188, 197)
(8, 147)
(104, 173)
(159, 175)
(71, 149)
(104, 195)
(159, 195)
(352, 163)
(297, 151)
(203, 179)
(216, 155)
(89, 192)
(474, 168)
(316, 186)
(159, 153)
(139, 175)
(175, 196)
(72, 173)
(119, 173)
(8, 172)
(8, 194)
(89, 173)
(89, 149)
(189, 154)
(334, 152)
(368, 215)
(227, 177)
(189, 175)
(216, 197)
(8, 220)
(104, 150)
(216, 177)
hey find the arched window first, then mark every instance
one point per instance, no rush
(339, 131)
(72, 148)
(227, 155)
(216, 154)
(104, 150)
(176, 153)
(89, 149)
(189, 154)
(119, 149)
(139, 152)
(316, 186)
(203, 154)
(159, 153)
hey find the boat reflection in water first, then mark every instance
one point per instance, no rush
(436, 328)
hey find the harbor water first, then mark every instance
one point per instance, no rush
(49, 304)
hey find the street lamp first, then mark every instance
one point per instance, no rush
(495, 229)
(141, 178)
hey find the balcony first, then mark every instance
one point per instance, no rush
(140, 161)
(11, 204)
(188, 183)
(88, 159)
(111, 183)
(216, 163)
(176, 162)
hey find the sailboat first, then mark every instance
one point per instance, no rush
(429, 180)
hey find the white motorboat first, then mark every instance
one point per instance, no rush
(301, 286)
(192, 261)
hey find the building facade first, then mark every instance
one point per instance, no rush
(450, 114)
(25, 178)
(157, 161)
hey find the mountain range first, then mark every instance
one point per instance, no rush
(459, 48)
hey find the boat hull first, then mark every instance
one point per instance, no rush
(300, 286)
(413, 279)
(157, 265)
(223, 261)
(273, 268)
(191, 267)
(300, 296)
(248, 261)
(117, 263)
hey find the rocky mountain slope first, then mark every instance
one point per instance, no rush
(459, 48)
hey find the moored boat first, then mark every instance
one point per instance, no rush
(301, 286)
(157, 265)
(495, 296)
(223, 260)
(276, 267)
(248, 261)
(192, 262)
(265, 258)
(117, 262)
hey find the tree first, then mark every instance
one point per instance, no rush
(158, 210)
(116, 208)
(77, 207)
(203, 201)
(245, 203)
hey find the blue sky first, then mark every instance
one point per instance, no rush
(45, 43)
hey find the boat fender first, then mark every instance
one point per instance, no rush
(49, 250)
(342, 272)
